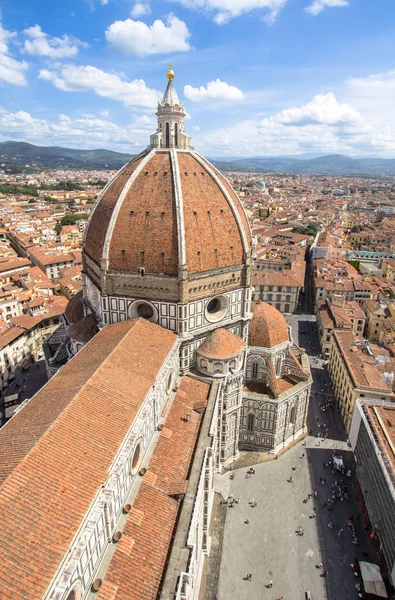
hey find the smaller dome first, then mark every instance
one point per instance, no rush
(84, 330)
(75, 310)
(221, 344)
(268, 327)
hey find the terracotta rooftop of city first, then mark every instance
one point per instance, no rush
(268, 327)
(362, 367)
(221, 344)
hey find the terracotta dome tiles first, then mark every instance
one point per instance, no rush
(213, 239)
(221, 344)
(145, 232)
(101, 216)
(268, 327)
(75, 310)
(236, 201)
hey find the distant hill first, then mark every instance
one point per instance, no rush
(332, 164)
(16, 155)
(21, 153)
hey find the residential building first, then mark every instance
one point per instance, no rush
(358, 370)
(336, 313)
(377, 313)
(372, 438)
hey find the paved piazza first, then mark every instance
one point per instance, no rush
(268, 547)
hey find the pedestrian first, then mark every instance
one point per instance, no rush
(270, 585)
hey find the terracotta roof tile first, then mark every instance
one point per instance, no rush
(212, 236)
(268, 327)
(138, 575)
(59, 437)
(145, 234)
(98, 224)
(221, 344)
(75, 310)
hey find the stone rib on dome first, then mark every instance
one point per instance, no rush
(136, 223)
(268, 327)
(221, 344)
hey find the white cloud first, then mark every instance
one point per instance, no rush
(323, 108)
(374, 97)
(41, 44)
(318, 6)
(135, 37)
(11, 70)
(322, 125)
(140, 9)
(214, 91)
(72, 78)
(86, 132)
(224, 10)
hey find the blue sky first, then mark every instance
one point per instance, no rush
(257, 77)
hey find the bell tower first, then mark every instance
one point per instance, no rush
(171, 114)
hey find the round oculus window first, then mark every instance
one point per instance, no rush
(136, 459)
(170, 382)
(143, 309)
(217, 308)
(75, 593)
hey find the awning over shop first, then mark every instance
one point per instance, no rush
(372, 580)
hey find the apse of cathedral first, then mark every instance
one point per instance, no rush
(162, 373)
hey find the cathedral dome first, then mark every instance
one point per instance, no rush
(221, 344)
(167, 213)
(268, 328)
(74, 310)
(166, 209)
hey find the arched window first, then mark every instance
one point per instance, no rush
(254, 370)
(232, 364)
(167, 135)
(292, 418)
(217, 367)
(287, 308)
(250, 422)
(176, 135)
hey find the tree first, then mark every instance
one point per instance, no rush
(68, 220)
(356, 229)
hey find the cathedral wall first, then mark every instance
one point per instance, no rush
(199, 539)
(92, 293)
(95, 536)
(191, 318)
(268, 424)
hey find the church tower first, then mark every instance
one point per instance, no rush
(171, 114)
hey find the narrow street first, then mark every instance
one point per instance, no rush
(27, 384)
